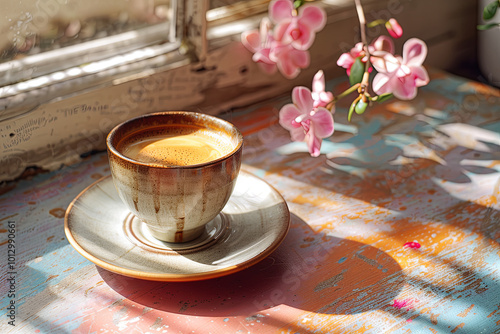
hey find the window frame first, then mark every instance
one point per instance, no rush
(36, 79)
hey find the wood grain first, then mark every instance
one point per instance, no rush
(424, 171)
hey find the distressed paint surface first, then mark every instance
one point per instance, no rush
(425, 172)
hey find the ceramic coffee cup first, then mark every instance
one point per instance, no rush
(174, 201)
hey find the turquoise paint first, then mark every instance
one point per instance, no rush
(33, 276)
(493, 126)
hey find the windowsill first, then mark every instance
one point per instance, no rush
(21, 98)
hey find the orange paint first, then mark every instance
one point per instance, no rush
(434, 317)
(8, 217)
(329, 324)
(464, 313)
(340, 278)
(51, 277)
(492, 313)
(487, 201)
(58, 212)
(316, 201)
(458, 327)
(481, 89)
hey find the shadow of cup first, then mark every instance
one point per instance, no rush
(308, 271)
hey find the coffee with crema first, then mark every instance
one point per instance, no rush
(175, 170)
(175, 145)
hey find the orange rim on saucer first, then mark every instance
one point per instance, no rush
(252, 225)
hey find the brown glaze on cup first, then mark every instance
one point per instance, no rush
(175, 201)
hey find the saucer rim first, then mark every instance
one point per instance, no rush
(165, 277)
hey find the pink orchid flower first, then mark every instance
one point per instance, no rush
(381, 44)
(259, 42)
(271, 54)
(346, 60)
(394, 28)
(305, 122)
(300, 30)
(289, 60)
(320, 97)
(402, 75)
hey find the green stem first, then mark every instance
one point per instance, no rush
(346, 92)
(375, 23)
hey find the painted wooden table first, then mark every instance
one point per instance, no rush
(394, 229)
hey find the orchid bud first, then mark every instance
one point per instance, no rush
(360, 107)
(394, 28)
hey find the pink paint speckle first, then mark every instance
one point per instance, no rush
(403, 303)
(412, 244)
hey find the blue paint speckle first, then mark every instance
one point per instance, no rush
(342, 259)
(226, 319)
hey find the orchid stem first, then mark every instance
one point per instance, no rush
(362, 24)
(341, 95)
(375, 23)
(362, 20)
(346, 92)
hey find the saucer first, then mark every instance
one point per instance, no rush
(250, 227)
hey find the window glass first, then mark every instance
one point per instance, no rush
(235, 9)
(29, 29)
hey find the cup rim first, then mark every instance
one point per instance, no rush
(118, 154)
